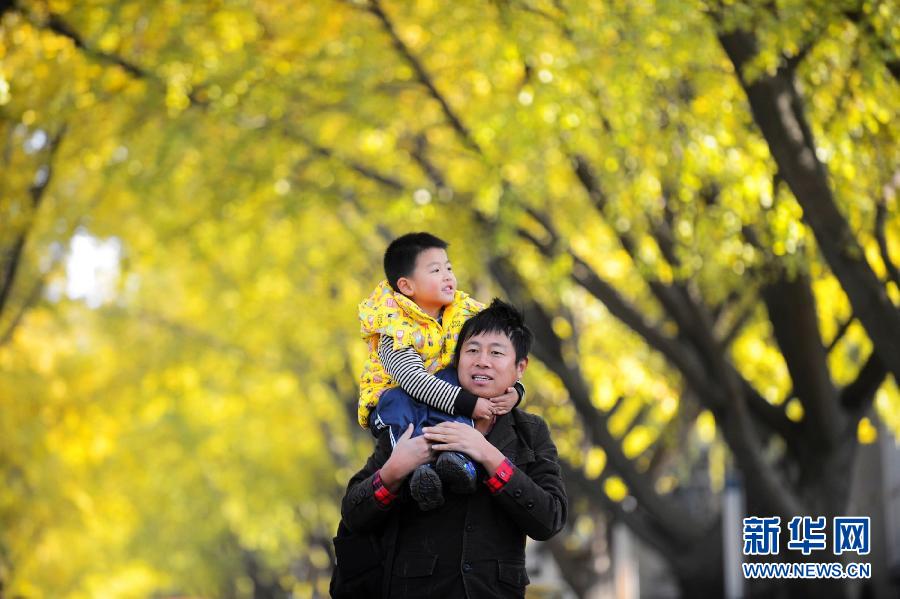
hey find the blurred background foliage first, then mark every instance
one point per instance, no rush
(196, 195)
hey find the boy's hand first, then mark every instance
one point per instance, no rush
(483, 409)
(502, 404)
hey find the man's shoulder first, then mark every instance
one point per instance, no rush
(526, 417)
(528, 420)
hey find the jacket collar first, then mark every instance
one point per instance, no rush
(503, 434)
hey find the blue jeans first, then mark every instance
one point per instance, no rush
(396, 410)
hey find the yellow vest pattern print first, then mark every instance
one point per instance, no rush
(386, 312)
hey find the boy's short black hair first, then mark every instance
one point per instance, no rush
(400, 255)
(499, 317)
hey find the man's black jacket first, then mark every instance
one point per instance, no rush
(473, 546)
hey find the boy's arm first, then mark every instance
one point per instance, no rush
(520, 389)
(407, 368)
(503, 404)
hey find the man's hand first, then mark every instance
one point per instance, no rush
(409, 453)
(456, 436)
(483, 409)
(502, 404)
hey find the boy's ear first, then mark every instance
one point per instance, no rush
(405, 286)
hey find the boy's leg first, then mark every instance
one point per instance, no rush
(396, 409)
(394, 413)
(392, 416)
(456, 469)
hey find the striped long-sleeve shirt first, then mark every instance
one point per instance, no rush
(407, 368)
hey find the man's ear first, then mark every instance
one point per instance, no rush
(405, 286)
(520, 367)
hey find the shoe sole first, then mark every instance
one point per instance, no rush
(454, 474)
(426, 488)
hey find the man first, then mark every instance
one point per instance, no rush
(474, 545)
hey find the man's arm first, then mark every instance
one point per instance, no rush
(360, 509)
(407, 368)
(533, 496)
(371, 492)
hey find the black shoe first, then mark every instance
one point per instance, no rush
(425, 487)
(457, 472)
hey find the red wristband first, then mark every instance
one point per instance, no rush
(501, 476)
(382, 494)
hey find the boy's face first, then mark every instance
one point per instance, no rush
(487, 364)
(432, 283)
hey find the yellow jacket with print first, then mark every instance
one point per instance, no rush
(386, 312)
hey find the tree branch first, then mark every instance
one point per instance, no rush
(363, 170)
(778, 112)
(675, 299)
(792, 312)
(731, 333)
(583, 274)
(548, 349)
(31, 299)
(846, 90)
(678, 353)
(858, 395)
(842, 330)
(642, 523)
(772, 416)
(674, 434)
(775, 494)
(420, 155)
(12, 260)
(10, 269)
(858, 18)
(890, 191)
(374, 7)
(57, 25)
(662, 233)
(725, 391)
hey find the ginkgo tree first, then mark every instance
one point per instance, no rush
(694, 202)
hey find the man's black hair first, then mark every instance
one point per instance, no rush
(400, 255)
(499, 317)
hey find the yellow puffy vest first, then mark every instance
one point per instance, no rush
(386, 312)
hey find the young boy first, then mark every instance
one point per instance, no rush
(411, 323)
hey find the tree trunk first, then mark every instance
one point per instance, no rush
(778, 112)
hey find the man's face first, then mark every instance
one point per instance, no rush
(487, 365)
